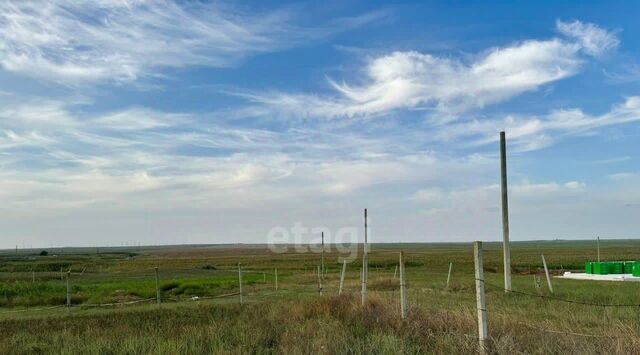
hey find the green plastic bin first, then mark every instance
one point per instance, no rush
(628, 267)
(601, 268)
(616, 267)
(588, 267)
(636, 269)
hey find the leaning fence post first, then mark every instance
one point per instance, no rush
(546, 271)
(240, 281)
(395, 272)
(276, 275)
(403, 293)
(449, 275)
(68, 289)
(158, 300)
(344, 270)
(480, 302)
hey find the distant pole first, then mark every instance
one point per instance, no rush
(264, 277)
(33, 276)
(395, 272)
(240, 281)
(344, 270)
(546, 271)
(598, 243)
(158, 299)
(68, 289)
(480, 302)
(319, 281)
(322, 257)
(276, 274)
(403, 293)
(449, 275)
(505, 213)
(365, 262)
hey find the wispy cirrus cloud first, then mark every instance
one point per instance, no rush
(536, 132)
(449, 86)
(76, 42)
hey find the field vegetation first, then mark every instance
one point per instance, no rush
(295, 318)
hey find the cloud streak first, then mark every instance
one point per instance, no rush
(80, 42)
(448, 86)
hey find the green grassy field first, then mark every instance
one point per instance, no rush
(295, 318)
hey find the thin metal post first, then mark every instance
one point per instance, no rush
(240, 281)
(449, 275)
(598, 242)
(68, 289)
(480, 301)
(322, 256)
(158, 298)
(344, 270)
(395, 272)
(505, 213)
(546, 271)
(403, 293)
(365, 262)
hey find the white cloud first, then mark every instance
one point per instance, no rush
(531, 133)
(75, 42)
(413, 80)
(593, 39)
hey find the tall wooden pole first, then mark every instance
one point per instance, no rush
(505, 213)
(480, 301)
(365, 262)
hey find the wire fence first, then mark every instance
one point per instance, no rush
(305, 285)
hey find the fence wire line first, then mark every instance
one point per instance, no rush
(553, 298)
(547, 330)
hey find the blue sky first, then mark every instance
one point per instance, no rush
(135, 122)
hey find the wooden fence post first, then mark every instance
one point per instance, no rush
(344, 270)
(276, 274)
(598, 242)
(480, 301)
(240, 281)
(403, 293)
(546, 271)
(158, 299)
(449, 275)
(395, 272)
(33, 276)
(365, 262)
(68, 289)
(319, 281)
